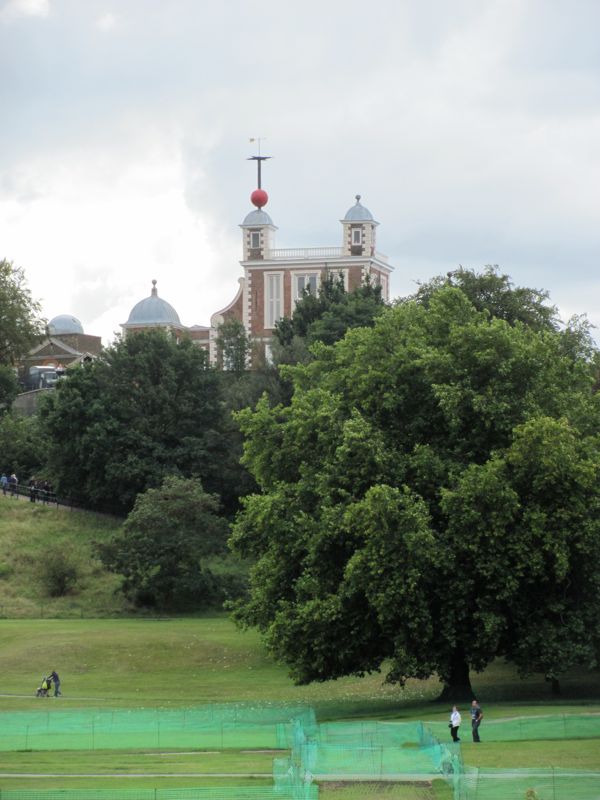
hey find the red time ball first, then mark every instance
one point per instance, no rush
(259, 198)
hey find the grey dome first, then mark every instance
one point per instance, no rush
(358, 213)
(64, 323)
(257, 217)
(153, 310)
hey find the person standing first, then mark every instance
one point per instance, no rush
(455, 720)
(56, 680)
(4, 483)
(13, 483)
(476, 717)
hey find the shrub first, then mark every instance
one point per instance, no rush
(58, 574)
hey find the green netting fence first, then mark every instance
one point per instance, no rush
(366, 751)
(216, 726)
(557, 726)
(527, 784)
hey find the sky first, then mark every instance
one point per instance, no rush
(470, 129)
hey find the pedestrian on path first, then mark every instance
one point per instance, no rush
(454, 724)
(476, 717)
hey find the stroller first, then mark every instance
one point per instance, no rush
(44, 688)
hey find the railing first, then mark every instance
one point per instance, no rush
(304, 252)
(293, 253)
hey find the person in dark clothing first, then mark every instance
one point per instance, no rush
(476, 717)
(56, 680)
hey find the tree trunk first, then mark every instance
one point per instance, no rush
(555, 685)
(458, 684)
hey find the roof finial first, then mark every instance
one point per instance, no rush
(357, 196)
(154, 292)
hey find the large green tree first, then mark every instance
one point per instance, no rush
(428, 500)
(148, 408)
(166, 538)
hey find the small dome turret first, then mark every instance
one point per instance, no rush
(153, 310)
(257, 218)
(358, 213)
(64, 324)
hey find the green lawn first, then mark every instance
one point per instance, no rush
(177, 662)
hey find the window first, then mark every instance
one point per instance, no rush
(304, 282)
(254, 240)
(356, 236)
(273, 298)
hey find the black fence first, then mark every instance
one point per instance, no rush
(48, 497)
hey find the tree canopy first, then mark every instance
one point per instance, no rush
(148, 408)
(429, 498)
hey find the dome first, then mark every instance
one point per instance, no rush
(153, 310)
(257, 217)
(64, 323)
(358, 213)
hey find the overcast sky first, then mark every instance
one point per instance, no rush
(471, 130)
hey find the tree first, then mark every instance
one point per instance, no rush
(325, 317)
(148, 408)
(233, 346)
(23, 446)
(164, 540)
(20, 325)
(400, 521)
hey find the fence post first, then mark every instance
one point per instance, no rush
(553, 784)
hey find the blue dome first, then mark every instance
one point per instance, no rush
(257, 217)
(153, 310)
(64, 323)
(358, 213)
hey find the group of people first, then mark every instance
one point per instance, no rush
(456, 719)
(9, 484)
(40, 490)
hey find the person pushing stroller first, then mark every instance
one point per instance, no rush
(56, 680)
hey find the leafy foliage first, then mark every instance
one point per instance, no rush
(20, 325)
(325, 317)
(494, 292)
(163, 543)
(429, 497)
(233, 346)
(147, 409)
(58, 573)
(23, 445)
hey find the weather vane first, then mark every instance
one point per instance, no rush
(259, 159)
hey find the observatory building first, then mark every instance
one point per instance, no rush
(274, 279)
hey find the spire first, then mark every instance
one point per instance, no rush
(154, 292)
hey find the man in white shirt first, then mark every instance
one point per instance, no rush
(455, 720)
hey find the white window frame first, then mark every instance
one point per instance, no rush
(254, 240)
(357, 240)
(297, 295)
(273, 304)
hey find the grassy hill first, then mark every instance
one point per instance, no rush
(37, 545)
